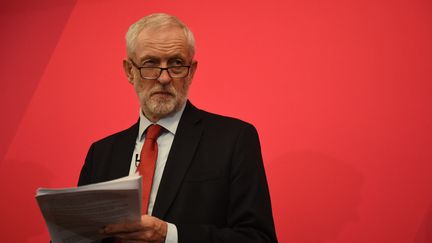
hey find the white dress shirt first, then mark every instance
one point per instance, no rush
(164, 142)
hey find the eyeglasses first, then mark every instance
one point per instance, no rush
(155, 72)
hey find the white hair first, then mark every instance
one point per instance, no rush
(157, 21)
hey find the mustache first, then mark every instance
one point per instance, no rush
(164, 88)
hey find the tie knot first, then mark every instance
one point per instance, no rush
(153, 131)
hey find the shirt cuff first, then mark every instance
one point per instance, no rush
(171, 236)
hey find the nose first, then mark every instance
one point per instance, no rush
(164, 77)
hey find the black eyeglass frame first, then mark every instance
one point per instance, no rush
(161, 70)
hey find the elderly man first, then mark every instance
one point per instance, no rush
(203, 176)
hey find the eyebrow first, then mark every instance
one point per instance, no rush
(177, 56)
(151, 57)
(148, 57)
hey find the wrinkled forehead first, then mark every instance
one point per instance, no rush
(167, 40)
(161, 34)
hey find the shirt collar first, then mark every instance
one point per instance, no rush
(169, 123)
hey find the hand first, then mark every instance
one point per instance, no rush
(149, 229)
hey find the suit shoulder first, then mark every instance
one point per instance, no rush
(131, 131)
(227, 122)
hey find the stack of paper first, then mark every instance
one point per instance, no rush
(77, 214)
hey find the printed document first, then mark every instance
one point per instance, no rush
(77, 214)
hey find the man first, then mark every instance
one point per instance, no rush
(209, 183)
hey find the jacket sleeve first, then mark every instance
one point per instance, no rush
(86, 171)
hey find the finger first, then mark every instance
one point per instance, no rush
(137, 236)
(134, 236)
(124, 227)
(136, 241)
(151, 223)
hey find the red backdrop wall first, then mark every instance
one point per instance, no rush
(340, 92)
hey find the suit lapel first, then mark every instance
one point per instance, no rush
(180, 156)
(122, 152)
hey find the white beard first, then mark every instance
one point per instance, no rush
(162, 107)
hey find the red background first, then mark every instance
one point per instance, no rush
(340, 92)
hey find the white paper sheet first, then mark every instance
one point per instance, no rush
(77, 214)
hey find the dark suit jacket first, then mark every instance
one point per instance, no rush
(213, 187)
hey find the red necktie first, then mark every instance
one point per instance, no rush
(147, 163)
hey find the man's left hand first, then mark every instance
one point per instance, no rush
(149, 229)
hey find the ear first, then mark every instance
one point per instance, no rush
(127, 66)
(193, 68)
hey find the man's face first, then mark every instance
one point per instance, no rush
(160, 48)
